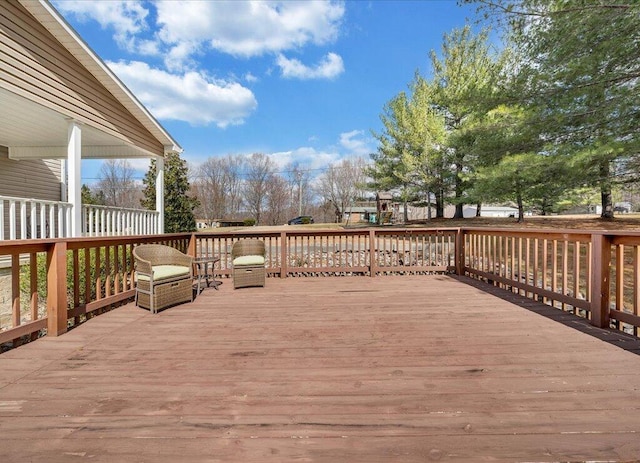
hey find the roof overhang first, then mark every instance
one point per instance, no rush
(32, 130)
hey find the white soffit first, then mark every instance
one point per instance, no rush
(32, 131)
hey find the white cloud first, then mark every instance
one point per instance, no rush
(330, 67)
(250, 78)
(178, 31)
(192, 97)
(356, 143)
(351, 144)
(307, 158)
(127, 17)
(249, 28)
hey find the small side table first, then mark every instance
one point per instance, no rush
(203, 273)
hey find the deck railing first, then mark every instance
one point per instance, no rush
(595, 275)
(65, 281)
(341, 252)
(55, 284)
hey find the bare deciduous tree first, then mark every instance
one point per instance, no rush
(218, 186)
(259, 169)
(300, 190)
(117, 184)
(278, 204)
(343, 183)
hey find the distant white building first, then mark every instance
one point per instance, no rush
(485, 211)
(496, 211)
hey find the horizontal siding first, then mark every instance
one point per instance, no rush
(37, 179)
(35, 65)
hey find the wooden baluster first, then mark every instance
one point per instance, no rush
(636, 287)
(619, 302)
(76, 283)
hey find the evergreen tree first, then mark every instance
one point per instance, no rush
(427, 144)
(464, 80)
(89, 197)
(579, 81)
(410, 151)
(178, 205)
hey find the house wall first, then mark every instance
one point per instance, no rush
(37, 179)
(36, 66)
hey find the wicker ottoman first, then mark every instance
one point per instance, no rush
(250, 275)
(165, 294)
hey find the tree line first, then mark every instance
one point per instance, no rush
(548, 115)
(252, 189)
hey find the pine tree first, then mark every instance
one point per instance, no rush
(178, 205)
(579, 79)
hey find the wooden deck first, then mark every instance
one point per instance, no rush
(337, 369)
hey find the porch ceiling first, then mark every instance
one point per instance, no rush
(32, 131)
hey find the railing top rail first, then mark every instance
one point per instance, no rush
(559, 234)
(37, 245)
(9, 247)
(114, 208)
(553, 231)
(34, 200)
(323, 231)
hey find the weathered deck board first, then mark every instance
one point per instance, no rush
(353, 369)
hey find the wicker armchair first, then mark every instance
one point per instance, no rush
(164, 276)
(248, 263)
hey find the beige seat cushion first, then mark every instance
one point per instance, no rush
(249, 260)
(163, 272)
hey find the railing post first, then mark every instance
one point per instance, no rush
(57, 289)
(191, 247)
(15, 289)
(372, 253)
(284, 258)
(600, 279)
(460, 252)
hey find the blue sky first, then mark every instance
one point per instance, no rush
(303, 82)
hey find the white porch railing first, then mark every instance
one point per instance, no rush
(115, 221)
(23, 218)
(26, 218)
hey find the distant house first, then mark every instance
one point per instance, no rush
(485, 211)
(496, 211)
(360, 214)
(205, 223)
(229, 223)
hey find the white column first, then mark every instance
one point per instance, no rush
(160, 193)
(74, 156)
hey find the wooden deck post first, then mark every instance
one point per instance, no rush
(191, 247)
(57, 289)
(459, 253)
(600, 279)
(15, 289)
(372, 253)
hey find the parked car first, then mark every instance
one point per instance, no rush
(301, 220)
